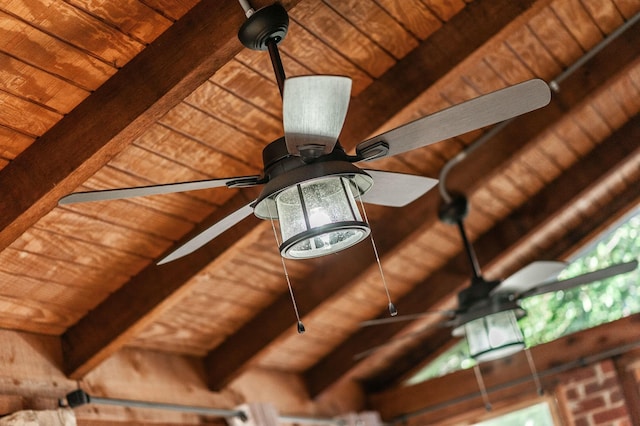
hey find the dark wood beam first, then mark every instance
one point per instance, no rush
(573, 90)
(491, 156)
(168, 70)
(518, 228)
(460, 37)
(154, 290)
(458, 393)
(475, 25)
(163, 74)
(630, 383)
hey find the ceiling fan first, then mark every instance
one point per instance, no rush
(488, 310)
(310, 182)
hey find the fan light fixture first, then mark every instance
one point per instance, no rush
(316, 208)
(318, 218)
(494, 336)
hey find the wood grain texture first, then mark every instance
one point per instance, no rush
(425, 65)
(220, 376)
(513, 230)
(35, 85)
(133, 18)
(344, 37)
(56, 57)
(12, 143)
(59, 247)
(378, 25)
(190, 103)
(555, 37)
(77, 28)
(176, 75)
(317, 377)
(415, 15)
(85, 348)
(572, 12)
(26, 117)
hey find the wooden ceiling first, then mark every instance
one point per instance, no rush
(117, 93)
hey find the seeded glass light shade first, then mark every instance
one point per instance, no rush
(319, 217)
(494, 336)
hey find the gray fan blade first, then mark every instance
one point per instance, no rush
(587, 278)
(313, 111)
(465, 117)
(396, 189)
(169, 188)
(375, 349)
(401, 318)
(208, 234)
(530, 276)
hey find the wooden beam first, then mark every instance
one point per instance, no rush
(494, 154)
(447, 48)
(628, 369)
(108, 327)
(520, 226)
(573, 90)
(370, 110)
(168, 70)
(500, 376)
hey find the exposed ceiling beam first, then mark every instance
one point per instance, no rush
(478, 23)
(163, 74)
(486, 160)
(619, 149)
(154, 290)
(506, 377)
(575, 88)
(435, 57)
(174, 65)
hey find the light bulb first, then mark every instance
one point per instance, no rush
(318, 217)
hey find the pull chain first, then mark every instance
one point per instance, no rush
(392, 308)
(483, 389)
(300, 325)
(532, 366)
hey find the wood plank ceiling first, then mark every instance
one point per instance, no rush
(116, 93)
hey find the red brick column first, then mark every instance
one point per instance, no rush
(593, 396)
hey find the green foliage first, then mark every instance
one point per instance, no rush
(552, 315)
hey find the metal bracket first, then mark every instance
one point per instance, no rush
(375, 150)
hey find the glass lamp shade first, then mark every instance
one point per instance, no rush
(494, 336)
(319, 217)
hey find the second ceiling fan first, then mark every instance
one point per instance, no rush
(487, 310)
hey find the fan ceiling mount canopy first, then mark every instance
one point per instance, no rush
(310, 183)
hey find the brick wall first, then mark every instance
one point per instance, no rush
(593, 395)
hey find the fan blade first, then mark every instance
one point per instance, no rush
(530, 276)
(401, 318)
(462, 118)
(587, 278)
(313, 111)
(208, 234)
(375, 349)
(396, 189)
(169, 188)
